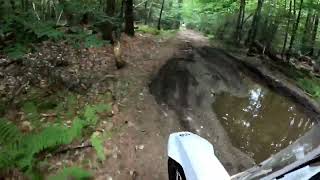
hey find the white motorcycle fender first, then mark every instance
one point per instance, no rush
(196, 156)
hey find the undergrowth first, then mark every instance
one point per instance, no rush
(21, 151)
(20, 32)
(71, 173)
(311, 86)
(156, 32)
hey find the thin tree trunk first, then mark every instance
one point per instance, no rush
(22, 5)
(145, 13)
(314, 34)
(129, 18)
(122, 9)
(294, 8)
(108, 26)
(179, 16)
(287, 30)
(243, 14)
(254, 27)
(13, 5)
(294, 31)
(150, 12)
(160, 16)
(240, 21)
(1, 9)
(306, 33)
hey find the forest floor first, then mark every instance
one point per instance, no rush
(141, 119)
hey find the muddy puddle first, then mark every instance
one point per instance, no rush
(261, 122)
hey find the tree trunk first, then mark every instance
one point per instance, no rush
(13, 5)
(273, 29)
(255, 23)
(160, 16)
(287, 30)
(145, 13)
(240, 21)
(179, 16)
(122, 9)
(108, 26)
(1, 9)
(129, 18)
(305, 45)
(150, 12)
(294, 31)
(314, 34)
(294, 8)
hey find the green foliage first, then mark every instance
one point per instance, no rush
(92, 41)
(310, 86)
(16, 51)
(31, 111)
(20, 151)
(81, 38)
(49, 20)
(71, 173)
(102, 107)
(156, 32)
(9, 132)
(46, 30)
(97, 143)
(148, 29)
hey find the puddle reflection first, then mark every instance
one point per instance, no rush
(263, 122)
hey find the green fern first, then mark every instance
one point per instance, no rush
(20, 151)
(71, 173)
(102, 107)
(16, 51)
(31, 111)
(91, 41)
(97, 144)
(9, 132)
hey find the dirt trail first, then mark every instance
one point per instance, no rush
(139, 150)
(174, 91)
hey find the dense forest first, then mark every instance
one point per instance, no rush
(288, 28)
(283, 31)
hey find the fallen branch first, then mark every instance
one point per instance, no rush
(86, 144)
(6, 62)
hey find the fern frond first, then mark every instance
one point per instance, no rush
(90, 117)
(5, 160)
(97, 143)
(20, 151)
(8, 132)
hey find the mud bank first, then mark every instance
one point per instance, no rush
(277, 81)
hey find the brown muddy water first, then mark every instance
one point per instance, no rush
(261, 122)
